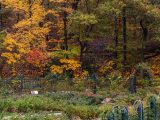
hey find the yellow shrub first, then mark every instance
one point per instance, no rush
(66, 64)
(56, 69)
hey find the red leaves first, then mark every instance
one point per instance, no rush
(37, 57)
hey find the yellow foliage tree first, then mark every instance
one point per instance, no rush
(29, 32)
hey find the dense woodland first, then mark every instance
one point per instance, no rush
(96, 47)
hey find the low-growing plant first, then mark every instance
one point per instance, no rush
(6, 105)
(84, 112)
(35, 104)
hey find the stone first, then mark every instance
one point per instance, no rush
(35, 92)
(76, 118)
(7, 118)
(106, 100)
(58, 114)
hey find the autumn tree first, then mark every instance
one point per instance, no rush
(28, 33)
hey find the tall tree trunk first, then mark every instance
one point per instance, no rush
(30, 8)
(75, 4)
(145, 36)
(1, 28)
(81, 46)
(81, 51)
(124, 36)
(65, 29)
(47, 36)
(116, 37)
(18, 17)
(1, 18)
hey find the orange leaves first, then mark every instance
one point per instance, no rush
(156, 70)
(53, 12)
(70, 64)
(18, 5)
(66, 64)
(56, 69)
(37, 58)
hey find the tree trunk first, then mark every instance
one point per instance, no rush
(1, 18)
(145, 36)
(124, 36)
(81, 51)
(116, 37)
(65, 29)
(30, 8)
(75, 4)
(18, 17)
(1, 28)
(1, 68)
(47, 18)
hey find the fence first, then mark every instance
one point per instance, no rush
(151, 112)
(18, 84)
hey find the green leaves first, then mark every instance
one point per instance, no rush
(83, 18)
(111, 7)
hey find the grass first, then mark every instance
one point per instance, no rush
(38, 104)
(70, 104)
(32, 116)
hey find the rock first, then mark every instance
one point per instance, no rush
(58, 114)
(76, 118)
(88, 92)
(35, 92)
(7, 118)
(106, 100)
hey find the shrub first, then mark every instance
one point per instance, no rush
(36, 103)
(144, 71)
(61, 95)
(74, 98)
(84, 112)
(80, 86)
(6, 105)
(4, 91)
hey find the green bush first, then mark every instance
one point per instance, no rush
(80, 86)
(83, 111)
(92, 100)
(76, 99)
(31, 103)
(4, 91)
(61, 95)
(36, 104)
(6, 105)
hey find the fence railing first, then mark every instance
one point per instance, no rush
(151, 112)
(19, 84)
